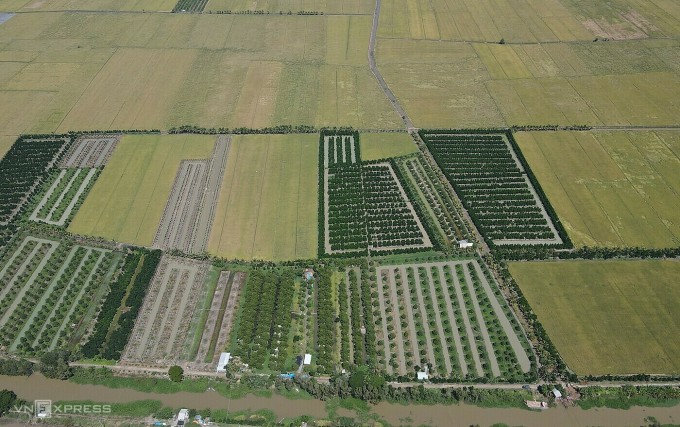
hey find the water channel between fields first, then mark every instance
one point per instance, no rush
(39, 387)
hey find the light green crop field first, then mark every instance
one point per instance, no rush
(375, 146)
(268, 203)
(127, 201)
(330, 7)
(607, 317)
(610, 188)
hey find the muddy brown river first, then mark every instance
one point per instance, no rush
(39, 387)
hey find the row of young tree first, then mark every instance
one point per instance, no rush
(109, 339)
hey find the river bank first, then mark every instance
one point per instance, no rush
(38, 387)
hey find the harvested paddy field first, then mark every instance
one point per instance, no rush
(363, 7)
(104, 5)
(127, 202)
(85, 70)
(160, 331)
(450, 315)
(376, 146)
(267, 208)
(610, 188)
(607, 317)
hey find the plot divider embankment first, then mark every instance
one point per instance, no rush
(426, 323)
(495, 370)
(212, 318)
(158, 289)
(515, 343)
(408, 303)
(452, 319)
(60, 199)
(396, 320)
(383, 318)
(46, 197)
(169, 311)
(81, 293)
(188, 299)
(468, 326)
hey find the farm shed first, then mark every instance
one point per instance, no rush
(308, 359)
(464, 244)
(224, 361)
(423, 376)
(557, 393)
(308, 274)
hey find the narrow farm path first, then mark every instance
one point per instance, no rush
(521, 354)
(454, 324)
(48, 293)
(495, 370)
(426, 325)
(61, 221)
(29, 283)
(349, 315)
(24, 265)
(408, 303)
(468, 327)
(383, 318)
(376, 73)
(48, 194)
(81, 294)
(396, 320)
(60, 199)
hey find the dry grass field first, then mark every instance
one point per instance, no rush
(86, 71)
(268, 202)
(326, 6)
(127, 201)
(607, 317)
(59, 5)
(376, 146)
(610, 188)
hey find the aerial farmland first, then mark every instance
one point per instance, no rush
(345, 199)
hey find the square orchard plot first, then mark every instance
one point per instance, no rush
(608, 317)
(127, 201)
(267, 208)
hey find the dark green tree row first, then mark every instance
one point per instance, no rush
(325, 339)
(264, 318)
(194, 6)
(280, 129)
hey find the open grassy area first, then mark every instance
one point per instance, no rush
(607, 317)
(610, 188)
(62, 71)
(375, 146)
(268, 202)
(127, 201)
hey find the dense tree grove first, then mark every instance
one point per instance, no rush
(264, 325)
(54, 364)
(23, 168)
(490, 184)
(16, 367)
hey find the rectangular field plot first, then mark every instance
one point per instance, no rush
(378, 146)
(90, 151)
(267, 206)
(22, 170)
(47, 291)
(493, 186)
(190, 209)
(610, 188)
(126, 203)
(437, 201)
(364, 204)
(160, 330)
(68, 187)
(451, 317)
(607, 317)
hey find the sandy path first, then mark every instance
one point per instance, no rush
(383, 317)
(396, 321)
(29, 282)
(454, 325)
(81, 294)
(482, 324)
(408, 304)
(426, 324)
(516, 345)
(468, 327)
